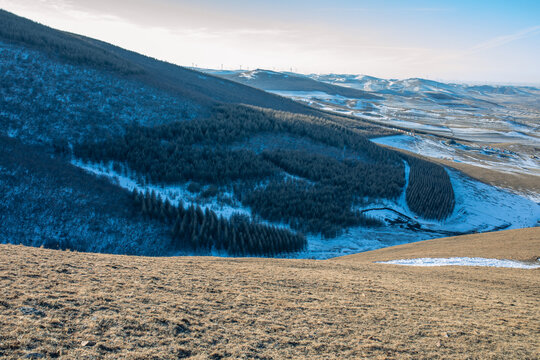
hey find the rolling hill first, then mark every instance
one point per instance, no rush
(119, 171)
(201, 165)
(489, 129)
(78, 50)
(272, 80)
(80, 305)
(71, 100)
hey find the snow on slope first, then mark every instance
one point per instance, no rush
(174, 193)
(462, 261)
(484, 156)
(479, 207)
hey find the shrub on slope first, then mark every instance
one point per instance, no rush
(42, 100)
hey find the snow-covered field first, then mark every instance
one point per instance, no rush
(462, 261)
(484, 156)
(479, 207)
(499, 124)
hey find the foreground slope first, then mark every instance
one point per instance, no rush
(76, 305)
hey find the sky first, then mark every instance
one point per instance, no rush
(473, 41)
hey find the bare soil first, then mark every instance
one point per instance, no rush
(69, 305)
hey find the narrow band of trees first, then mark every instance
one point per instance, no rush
(430, 193)
(193, 229)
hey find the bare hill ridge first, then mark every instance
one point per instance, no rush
(81, 305)
(521, 245)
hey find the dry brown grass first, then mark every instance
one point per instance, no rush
(518, 182)
(104, 306)
(521, 245)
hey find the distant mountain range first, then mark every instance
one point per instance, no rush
(427, 106)
(367, 87)
(271, 80)
(416, 85)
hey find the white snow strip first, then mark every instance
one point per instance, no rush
(173, 193)
(462, 261)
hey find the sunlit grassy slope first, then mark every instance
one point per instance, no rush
(521, 245)
(82, 306)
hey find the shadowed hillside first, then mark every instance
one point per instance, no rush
(191, 143)
(45, 202)
(200, 88)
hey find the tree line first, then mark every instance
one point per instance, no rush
(310, 208)
(373, 179)
(193, 229)
(322, 201)
(430, 193)
(198, 150)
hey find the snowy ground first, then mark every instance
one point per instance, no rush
(479, 207)
(462, 261)
(504, 128)
(484, 156)
(173, 193)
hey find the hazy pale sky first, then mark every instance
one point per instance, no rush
(474, 40)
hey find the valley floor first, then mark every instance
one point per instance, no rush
(88, 306)
(524, 182)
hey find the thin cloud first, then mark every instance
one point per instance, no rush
(341, 9)
(433, 9)
(485, 45)
(505, 39)
(271, 32)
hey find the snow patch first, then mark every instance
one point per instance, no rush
(483, 156)
(462, 261)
